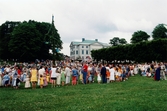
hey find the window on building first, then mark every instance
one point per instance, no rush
(76, 52)
(86, 46)
(87, 52)
(82, 46)
(82, 51)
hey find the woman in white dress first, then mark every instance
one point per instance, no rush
(112, 74)
(27, 82)
(98, 69)
(58, 71)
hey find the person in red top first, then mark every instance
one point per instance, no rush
(19, 71)
(84, 71)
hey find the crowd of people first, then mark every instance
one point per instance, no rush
(73, 73)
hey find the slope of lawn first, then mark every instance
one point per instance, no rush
(136, 94)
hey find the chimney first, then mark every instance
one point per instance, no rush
(96, 40)
(83, 39)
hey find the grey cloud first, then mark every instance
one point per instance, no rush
(105, 27)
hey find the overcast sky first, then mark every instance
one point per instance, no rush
(89, 19)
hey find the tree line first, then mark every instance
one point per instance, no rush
(160, 31)
(26, 41)
(140, 49)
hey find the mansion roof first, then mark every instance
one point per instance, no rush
(88, 42)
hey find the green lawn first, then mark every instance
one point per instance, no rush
(136, 94)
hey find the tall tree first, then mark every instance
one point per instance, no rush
(117, 41)
(53, 39)
(160, 31)
(25, 42)
(114, 41)
(122, 41)
(139, 36)
(5, 35)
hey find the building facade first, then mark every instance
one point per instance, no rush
(82, 50)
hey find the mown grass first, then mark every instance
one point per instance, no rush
(136, 94)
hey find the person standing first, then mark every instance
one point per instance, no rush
(84, 72)
(157, 72)
(68, 74)
(103, 73)
(112, 74)
(58, 73)
(63, 76)
(53, 76)
(98, 69)
(27, 82)
(74, 75)
(41, 81)
(163, 71)
(41, 71)
(33, 77)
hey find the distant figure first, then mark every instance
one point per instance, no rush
(68, 74)
(63, 76)
(41, 81)
(53, 76)
(27, 82)
(84, 72)
(34, 77)
(157, 73)
(103, 73)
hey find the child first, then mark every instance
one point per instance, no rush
(47, 77)
(45, 80)
(27, 82)
(74, 75)
(41, 81)
(90, 78)
(81, 76)
(63, 76)
(108, 75)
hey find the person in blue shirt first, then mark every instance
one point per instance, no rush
(74, 75)
(6, 79)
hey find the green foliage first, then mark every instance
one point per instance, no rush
(139, 36)
(5, 35)
(117, 41)
(136, 94)
(160, 31)
(122, 41)
(26, 41)
(149, 51)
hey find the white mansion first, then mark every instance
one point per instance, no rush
(83, 49)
